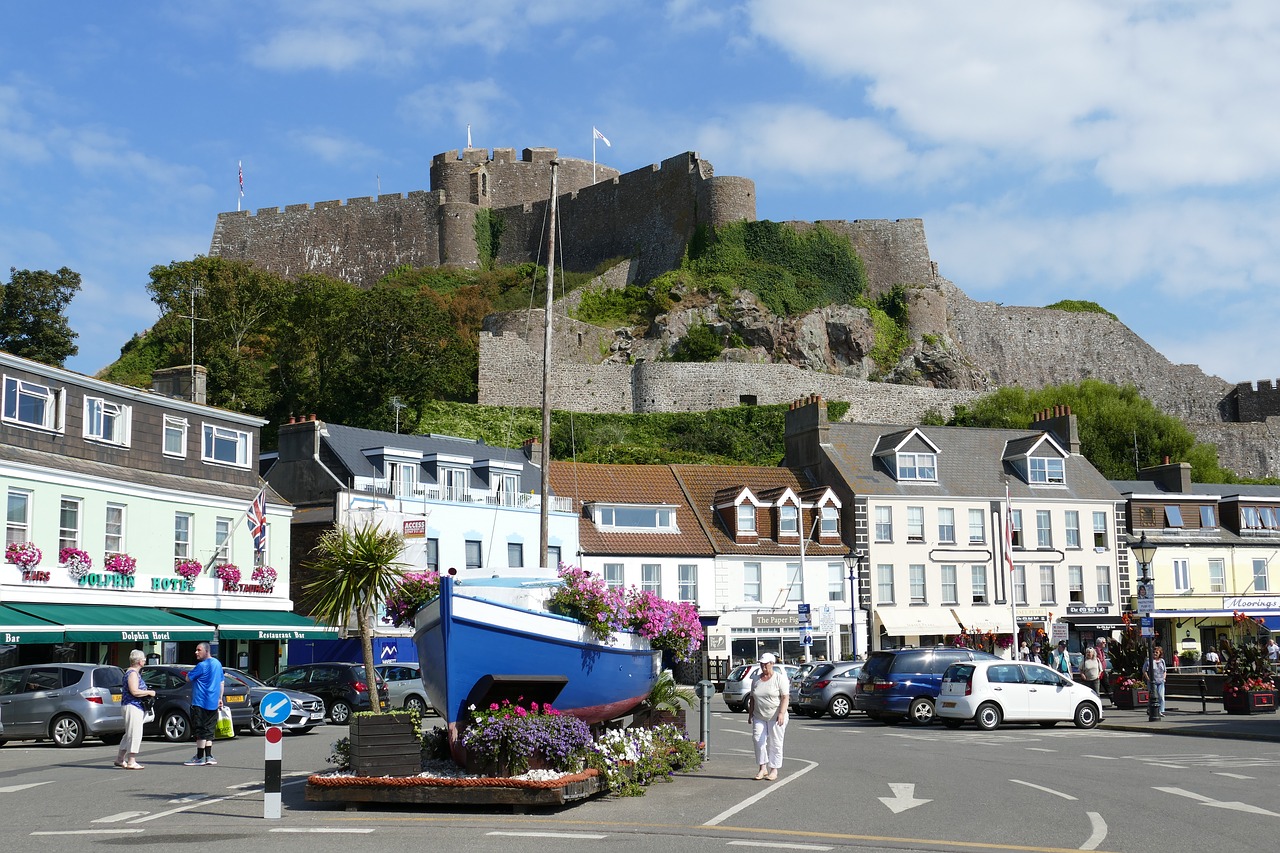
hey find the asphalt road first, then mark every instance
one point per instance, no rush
(850, 785)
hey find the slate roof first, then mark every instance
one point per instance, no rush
(1140, 488)
(349, 443)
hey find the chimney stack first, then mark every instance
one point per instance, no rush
(533, 451)
(1062, 425)
(1172, 477)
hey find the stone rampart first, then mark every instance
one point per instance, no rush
(892, 251)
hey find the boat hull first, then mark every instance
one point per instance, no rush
(463, 637)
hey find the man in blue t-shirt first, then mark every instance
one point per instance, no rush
(206, 698)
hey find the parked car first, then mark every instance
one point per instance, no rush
(829, 689)
(404, 686)
(990, 692)
(306, 711)
(173, 701)
(738, 684)
(341, 685)
(62, 702)
(898, 683)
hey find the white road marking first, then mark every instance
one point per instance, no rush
(1170, 766)
(190, 805)
(332, 829)
(778, 846)
(770, 788)
(15, 788)
(1038, 749)
(116, 818)
(89, 832)
(587, 835)
(1208, 801)
(1232, 775)
(1103, 757)
(1099, 832)
(194, 798)
(1043, 788)
(904, 797)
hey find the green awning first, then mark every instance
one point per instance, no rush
(17, 628)
(260, 624)
(105, 623)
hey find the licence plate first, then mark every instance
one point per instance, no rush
(317, 716)
(231, 700)
(115, 700)
(948, 704)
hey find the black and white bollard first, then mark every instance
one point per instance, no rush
(706, 691)
(271, 786)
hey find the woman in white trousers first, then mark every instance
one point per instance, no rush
(767, 713)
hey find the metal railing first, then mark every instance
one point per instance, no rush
(435, 494)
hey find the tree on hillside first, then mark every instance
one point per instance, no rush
(33, 322)
(1115, 424)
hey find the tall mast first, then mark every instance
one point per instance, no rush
(545, 517)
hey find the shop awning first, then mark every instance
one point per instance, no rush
(940, 620)
(104, 623)
(18, 628)
(260, 624)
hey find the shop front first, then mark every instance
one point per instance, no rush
(1088, 623)
(929, 626)
(256, 640)
(778, 633)
(104, 633)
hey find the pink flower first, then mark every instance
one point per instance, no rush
(521, 712)
(493, 707)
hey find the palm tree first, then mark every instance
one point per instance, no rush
(355, 569)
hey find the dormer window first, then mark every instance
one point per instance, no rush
(918, 466)
(746, 517)
(635, 518)
(1208, 519)
(1046, 471)
(830, 521)
(1250, 518)
(788, 520)
(1268, 515)
(1172, 516)
(403, 477)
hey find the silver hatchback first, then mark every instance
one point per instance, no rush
(738, 683)
(62, 702)
(828, 689)
(404, 686)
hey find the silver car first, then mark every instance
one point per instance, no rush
(305, 710)
(829, 689)
(62, 702)
(738, 684)
(404, 686)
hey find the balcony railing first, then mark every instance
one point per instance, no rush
(436, 494)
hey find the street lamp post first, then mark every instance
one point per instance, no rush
(1144, 552)
(854, 561)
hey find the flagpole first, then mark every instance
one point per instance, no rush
(1008, 558)
(593, 155)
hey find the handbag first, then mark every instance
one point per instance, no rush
(225, 729)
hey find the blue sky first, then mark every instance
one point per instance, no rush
(1125, 152)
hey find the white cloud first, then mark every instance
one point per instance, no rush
(457, 104)
(330, 49)
(334, 149)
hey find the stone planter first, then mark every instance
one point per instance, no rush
(1249, 702)
(385, 745)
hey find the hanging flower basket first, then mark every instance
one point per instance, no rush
(77, 562)
(24, 555)
(228, 573)
(265, 577)
(121, 564)
(188, 570)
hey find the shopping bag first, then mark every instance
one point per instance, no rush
(225, 729)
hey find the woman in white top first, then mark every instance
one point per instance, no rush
(767, 713)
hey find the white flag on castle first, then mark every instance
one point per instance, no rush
(598, 135)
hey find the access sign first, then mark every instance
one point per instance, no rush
(274, 708)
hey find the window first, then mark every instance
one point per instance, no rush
(1209, 519)
(182, 535)
(651, 578)
(613, 575)
(1172, 516)
(1048, 595)
(474, 554)
(1020, 584)
(1217, 575)
(106, 421)
(553, 556)
(788, 525)
(950, 586)
(751, 582)
(835, 581)
(1099, 530)
(515, 555)
(1181, 575)
(687, 579)
(1268, 517)
(18, 528)
(113, 542)
(222, 540)
(69, 524)
(795, 582)
(433, 554)
(508, 489)
(175, 436)
(1260, 576)
(918, 466)
(884, 524)
(638, 517)
(977, 527)
(830, 521)
(1047, 471)
(227, 446)
(457, 484)
(915, 573)
(1075, 584)
(884, 583)
(1104, 584)
(32, 404)
(947, 525)
(403, 477)
(978, 574)
(915, 524)
(1015, 529)
(1044, 529)
(746, 517)
(1072, 518)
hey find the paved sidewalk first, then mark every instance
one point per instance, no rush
(1184, 717)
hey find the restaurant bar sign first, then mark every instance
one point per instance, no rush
(775, 620)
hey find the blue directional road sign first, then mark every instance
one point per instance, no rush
(274, 709)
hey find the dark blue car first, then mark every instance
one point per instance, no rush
(903, 683)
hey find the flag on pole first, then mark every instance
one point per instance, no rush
(595, 134)
(240, 167)
(257, 519)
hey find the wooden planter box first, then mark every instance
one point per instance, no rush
(1133, 697)
(646, 718)
(1250, 702)
(385, 745)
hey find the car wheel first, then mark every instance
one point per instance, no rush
(415, 703)
(113, 740)
(340, 713)
(257, 725)
(840, 707)
(66, 730)
(921, 712)
(952, 722)
(175, 727)
(1086, 715)
(1048, 724)
(988, 717)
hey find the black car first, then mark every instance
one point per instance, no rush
(173, 701)
(342, 686)
(897, 683)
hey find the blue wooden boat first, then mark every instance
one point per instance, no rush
(485, 640)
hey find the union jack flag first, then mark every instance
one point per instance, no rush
(257, 519)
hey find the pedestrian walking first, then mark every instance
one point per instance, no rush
(1211, 657)
(1100, 650)
(1035, 654)
(1273, 651)
(1156, 669)
(1060, 659)
(1091, 670)
(135, 691)
(206, 698)
(767, 714)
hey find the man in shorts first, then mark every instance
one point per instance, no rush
(206, 698)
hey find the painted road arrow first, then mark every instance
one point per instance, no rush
(904, 797)
(1219, 804)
